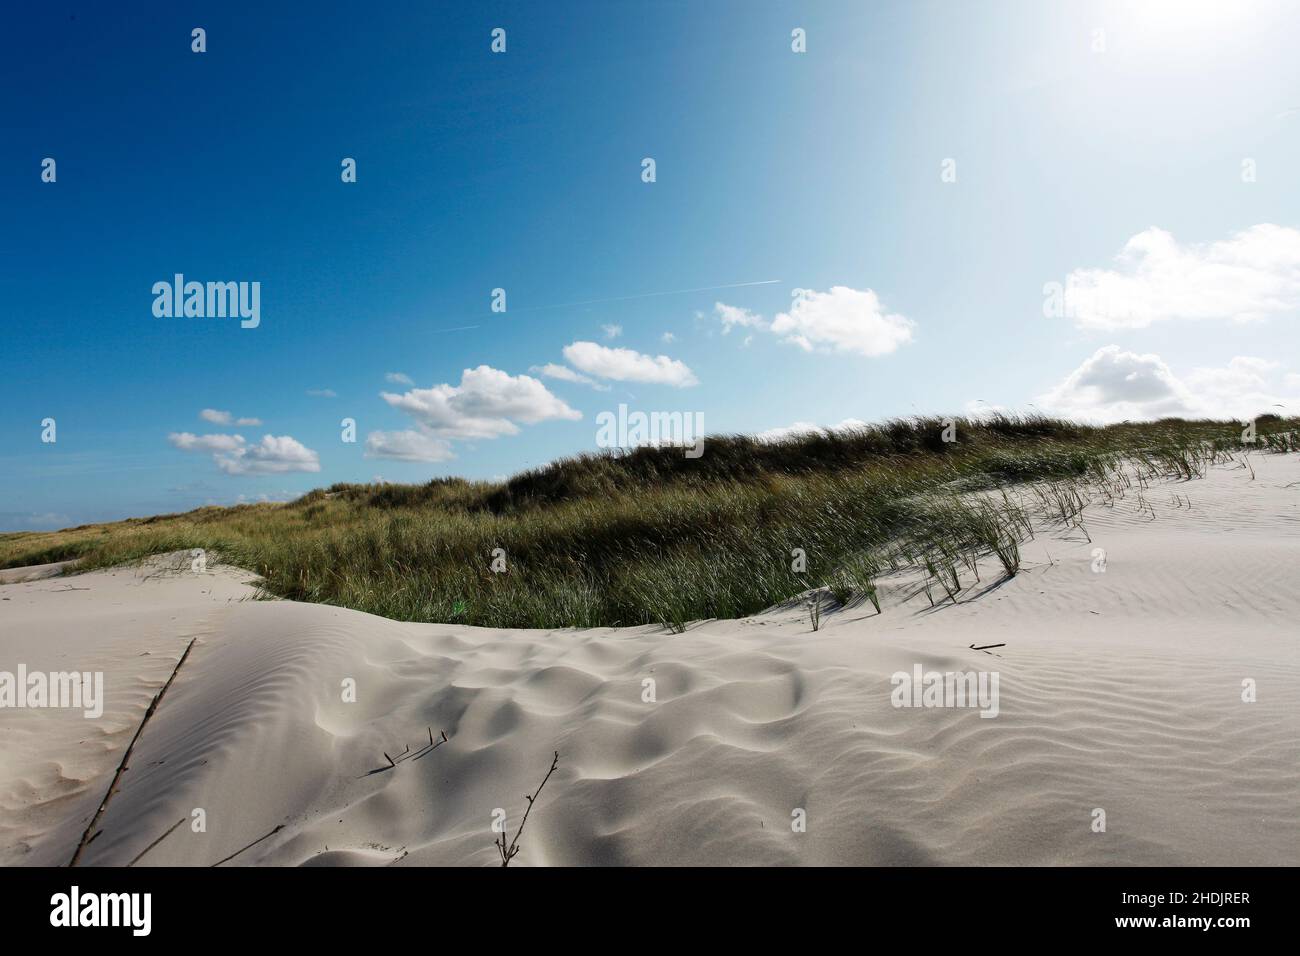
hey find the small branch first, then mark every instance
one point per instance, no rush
(88, 835)
(509, 854)
(250, 846)
(432, 746)
(156, 842)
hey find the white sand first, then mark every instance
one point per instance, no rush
(1118, 690)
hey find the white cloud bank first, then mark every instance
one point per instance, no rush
(565, 374)
(1249, 276)
(844, 320)
(235, 456)
(1114, 385)
(488, 403)
(628, 365)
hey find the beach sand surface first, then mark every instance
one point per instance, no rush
(1119, 690)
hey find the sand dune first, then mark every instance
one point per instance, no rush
(1119, 690)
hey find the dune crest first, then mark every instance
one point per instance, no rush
(1120, 690)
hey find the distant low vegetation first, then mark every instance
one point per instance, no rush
(652, 536)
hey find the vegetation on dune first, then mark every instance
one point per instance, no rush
(651, 536)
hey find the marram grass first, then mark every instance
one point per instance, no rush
(653, 537)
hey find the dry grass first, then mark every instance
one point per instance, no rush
(655, 537)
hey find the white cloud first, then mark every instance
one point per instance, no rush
(1246, 277)
(843, 320)
(272, 455)
(612, 331)
(668, 338)
(731, 316)
(233, 455)
(804, 428)
(486, 404)
(627, 365)
(408, 445)
(398, 378)
(1114, 385)
(217, 417)
(187, 441)
(565, 374)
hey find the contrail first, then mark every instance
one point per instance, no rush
(619, 298)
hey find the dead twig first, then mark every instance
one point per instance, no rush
(407, 754)
(509, 853)
(250, 846)
(432, 746)
(156, 842)
(89, 833)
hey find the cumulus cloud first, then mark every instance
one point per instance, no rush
(1114, 385)
(217, 417)
(842, 320)
(731, 316)
(627, 365)
(235, 456)
(408, 445)
(398, 378)
(1249, 276)
(487, 404)
(804, 428)
(612, 331)
(668, 338)
(565, 374)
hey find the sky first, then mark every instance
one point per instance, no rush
(770, 215)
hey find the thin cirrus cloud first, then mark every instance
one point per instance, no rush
(843, 320)
(235, 456)
(217, 417)
(1251, 275)
(488, 403)
(628, 365)
(1115, 385)
(398, 378)
(563, 373)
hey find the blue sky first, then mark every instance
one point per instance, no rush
(1142, 155)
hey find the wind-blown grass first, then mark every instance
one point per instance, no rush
(655, 537)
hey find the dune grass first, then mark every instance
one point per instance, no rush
(653, 537)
